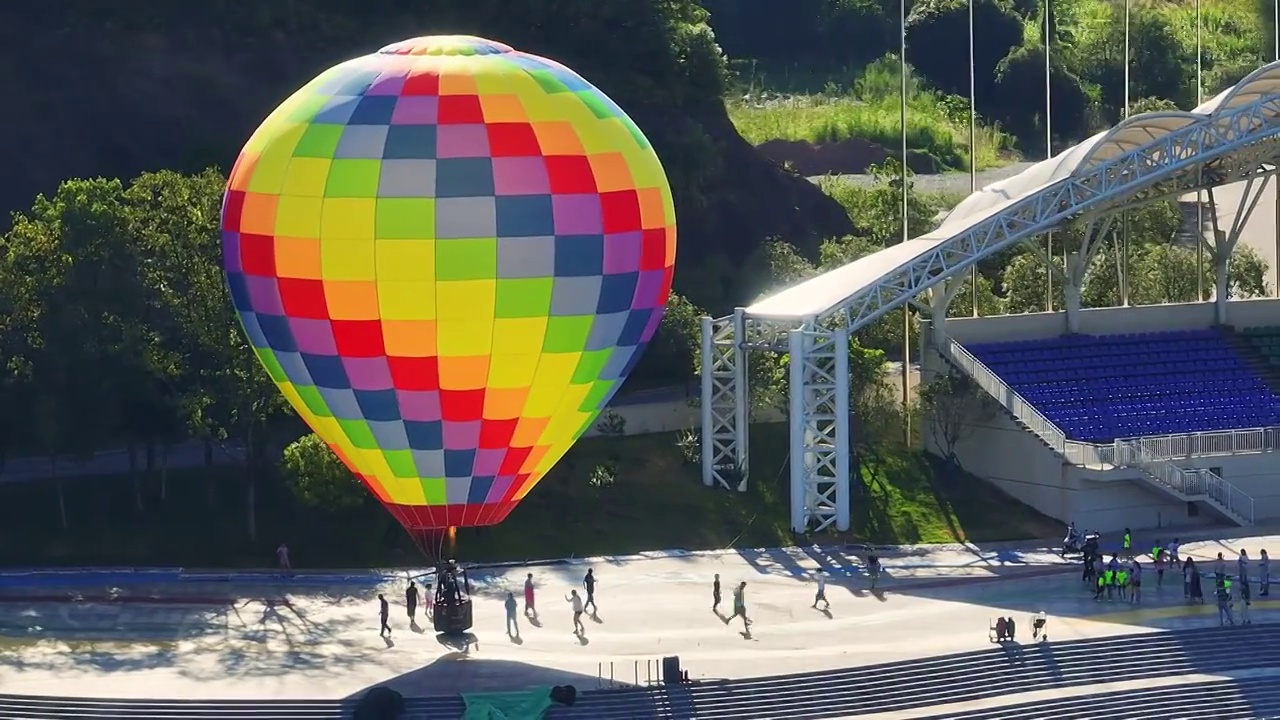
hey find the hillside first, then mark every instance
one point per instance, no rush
(152, 84)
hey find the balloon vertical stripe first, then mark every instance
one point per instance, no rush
(449, 255)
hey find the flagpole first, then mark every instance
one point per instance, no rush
(1124, 230)
(1048, 152)
(1199, 172)
(906, 309)
(973, 151)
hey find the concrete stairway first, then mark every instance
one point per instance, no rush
(996, 672)
(1244, 699)
(1253, 358)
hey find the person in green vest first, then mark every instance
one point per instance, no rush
(1224, 601)
(1122, 583)
(1100, 585)
(1127, 543)
(1109, 576)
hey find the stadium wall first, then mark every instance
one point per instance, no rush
(1110, 321)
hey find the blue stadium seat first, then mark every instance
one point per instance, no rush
(1101, 387)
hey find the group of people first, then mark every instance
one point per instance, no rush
(1121, 577)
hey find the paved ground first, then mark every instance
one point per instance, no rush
(278, 641)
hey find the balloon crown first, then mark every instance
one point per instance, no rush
(461, 45)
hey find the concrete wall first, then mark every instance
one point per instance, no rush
(1107, 321)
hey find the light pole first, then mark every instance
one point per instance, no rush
(1048, 150)
(906, 311)
(973, 151)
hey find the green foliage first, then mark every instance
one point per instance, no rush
(1021, 85)
(827, 34)
(318, 478)
(938, 43)
(937, 125)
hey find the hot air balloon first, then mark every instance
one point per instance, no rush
(448, 255)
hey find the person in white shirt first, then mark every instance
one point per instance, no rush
(282, 557)
(576, 602)
(821, 595)
(1173, 552)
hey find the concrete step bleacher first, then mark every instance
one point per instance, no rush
(1244, 699)
(986, 674)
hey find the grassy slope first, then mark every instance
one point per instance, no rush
(658, 502)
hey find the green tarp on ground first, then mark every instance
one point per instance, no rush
(527, 704)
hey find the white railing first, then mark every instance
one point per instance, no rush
(1151, 455)
(1188, 484)
(1210, 444)
(1006, 396)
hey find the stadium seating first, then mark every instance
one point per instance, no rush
(1099, 388)
(1266, 340)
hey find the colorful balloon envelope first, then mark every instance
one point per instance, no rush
(448, 255)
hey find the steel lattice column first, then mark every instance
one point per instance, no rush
(725, 403)
(819, 422)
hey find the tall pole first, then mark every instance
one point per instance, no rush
(973, 150)
(1048, 151)
(1199, 174)
(1124, 229)
(906, 310)
(1275, 26)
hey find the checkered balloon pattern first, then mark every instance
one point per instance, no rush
(448, 255)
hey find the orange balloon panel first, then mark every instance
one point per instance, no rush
(449, 255)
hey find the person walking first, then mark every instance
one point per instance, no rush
(1173, 551)
(513, 627)
(589, 584)
(411, 601)
(383, 612)
(1188, 569)
(821, 595)
(1160, 562)
(529, 608)
(1264, 573)
(715, 593)
(576, 603)
(1246, 600)
(740, 605)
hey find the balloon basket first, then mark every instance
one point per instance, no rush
(453, 619)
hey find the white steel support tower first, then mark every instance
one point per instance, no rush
(1233, 138)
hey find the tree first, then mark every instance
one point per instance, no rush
(938, 43)
(1025, 280)
(77, 306)
(951, 405)
(671, 356)
(1020, 81)
(225, 393)
(319, 479)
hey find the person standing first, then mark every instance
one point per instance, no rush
(1223, 592)
(1135, 583)
(529, 608)
(1220, 566)
(1246, 600)
(1160, 561)
(429, 599)
(1173, 551)
(282, 558)
(1188, 569)
(1264, 573)
(383, 612)
(821, 595)
(1242, 566)
(411, 601)
(589, 584)
(513, 627)
(715, 593)
(1126, 543)
(576, 603)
